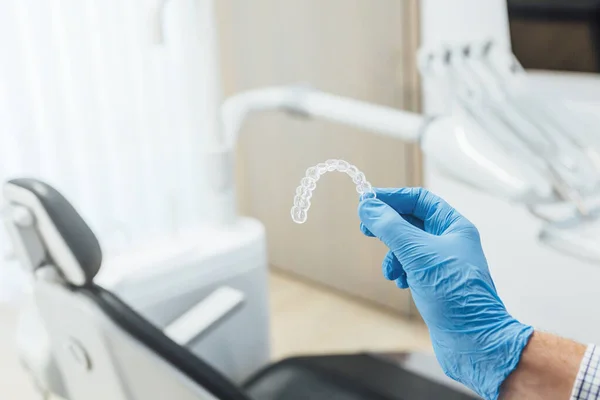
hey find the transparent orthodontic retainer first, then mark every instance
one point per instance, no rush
(309, 183)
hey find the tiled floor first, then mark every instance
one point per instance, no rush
(306, 319)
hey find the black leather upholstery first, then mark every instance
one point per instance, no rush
(348, 377)
(77, 235)
(290, 380)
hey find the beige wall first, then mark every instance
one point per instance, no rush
(362, 49)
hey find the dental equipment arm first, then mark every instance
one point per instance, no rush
(461, 151)
(464, 147)
(296, 100)
(464, 152)
(312, 103)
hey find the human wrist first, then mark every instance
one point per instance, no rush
(546, 370)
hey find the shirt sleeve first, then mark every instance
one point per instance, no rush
(587, 383)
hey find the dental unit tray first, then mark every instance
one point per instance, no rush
(489, 93)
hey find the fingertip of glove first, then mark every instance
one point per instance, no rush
(391, 267)
(367, 206)
(401, 282)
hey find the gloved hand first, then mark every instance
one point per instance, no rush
(436, 252)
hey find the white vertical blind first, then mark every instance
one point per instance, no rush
(104, 100)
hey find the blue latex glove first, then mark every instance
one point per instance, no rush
(436, 252)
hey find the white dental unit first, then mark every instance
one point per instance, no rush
(547, 288)
(495, 135)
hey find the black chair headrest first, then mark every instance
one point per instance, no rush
(69, 241)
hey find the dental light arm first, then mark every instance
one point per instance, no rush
(461, 151)
(301, 101)
(485, 142)
(316, 104)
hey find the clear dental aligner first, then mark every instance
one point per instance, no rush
(309, 183)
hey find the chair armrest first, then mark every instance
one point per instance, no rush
(202, 316)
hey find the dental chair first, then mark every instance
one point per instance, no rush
(103, 349)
